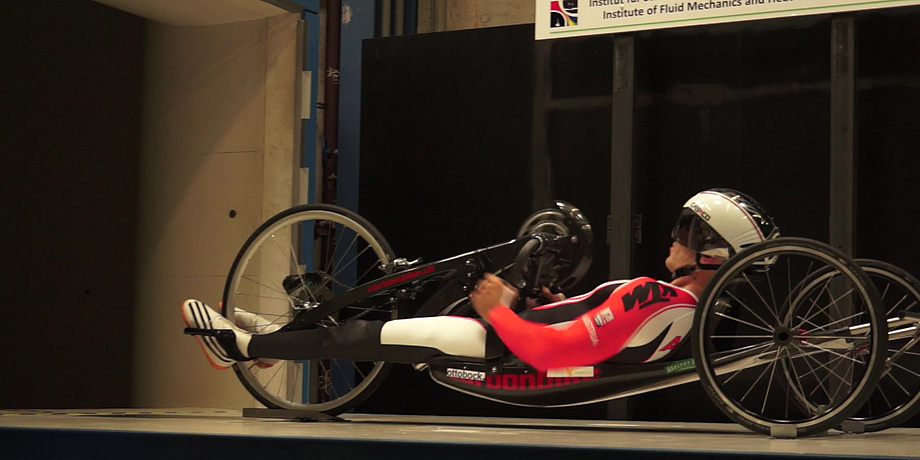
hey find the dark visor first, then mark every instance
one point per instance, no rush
(694, 233)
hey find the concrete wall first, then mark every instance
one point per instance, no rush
(442, 15)
(218, 158)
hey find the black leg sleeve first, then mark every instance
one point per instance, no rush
(356, 340)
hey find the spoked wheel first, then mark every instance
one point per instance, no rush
(295, 261)
(897, 396)
(782, 356)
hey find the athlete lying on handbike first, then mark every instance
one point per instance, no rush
(638, 320)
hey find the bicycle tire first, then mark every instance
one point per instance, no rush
(747, 282)
(896, 398)
(276, 272)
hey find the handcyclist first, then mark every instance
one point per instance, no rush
(637, 320)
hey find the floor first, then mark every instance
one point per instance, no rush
(700, 438)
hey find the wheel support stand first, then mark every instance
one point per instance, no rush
(303, 415)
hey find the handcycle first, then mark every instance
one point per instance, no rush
(790, 338)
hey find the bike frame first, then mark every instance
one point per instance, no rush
(443, 283)
(441, 287)
(452, 277)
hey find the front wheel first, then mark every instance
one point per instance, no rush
(296, 260)
(785, 359)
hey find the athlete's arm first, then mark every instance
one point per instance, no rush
(543, 346)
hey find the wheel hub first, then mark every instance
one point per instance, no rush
(782, 336)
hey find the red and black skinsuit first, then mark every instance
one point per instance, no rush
(634, 321)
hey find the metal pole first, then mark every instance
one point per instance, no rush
(843, 155)
(620, 221)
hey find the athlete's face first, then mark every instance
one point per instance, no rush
(680, 256)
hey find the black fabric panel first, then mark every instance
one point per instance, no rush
(728, 128)
(888, 141)
(446, 139)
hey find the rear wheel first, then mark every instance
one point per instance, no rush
(779, 356)
(296, 260)
(897, 396)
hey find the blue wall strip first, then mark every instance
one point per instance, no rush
(358, 24)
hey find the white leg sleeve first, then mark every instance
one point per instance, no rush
(453, 335)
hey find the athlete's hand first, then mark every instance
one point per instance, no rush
(547, 296)
(491, 291)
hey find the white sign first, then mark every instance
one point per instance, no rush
(572, 18)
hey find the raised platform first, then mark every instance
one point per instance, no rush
(224, 434)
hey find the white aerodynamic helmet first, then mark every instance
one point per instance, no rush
(721, 222)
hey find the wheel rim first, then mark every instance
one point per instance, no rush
(898, 390)
(277, 274)
(796, 373)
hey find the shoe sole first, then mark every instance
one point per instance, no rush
(192, 312)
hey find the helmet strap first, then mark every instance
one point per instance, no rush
(686, 270)
(703, 266)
